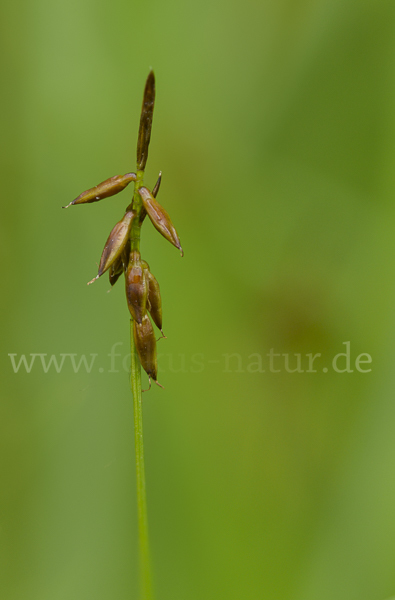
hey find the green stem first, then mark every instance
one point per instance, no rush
(135, 384)
(145, 563)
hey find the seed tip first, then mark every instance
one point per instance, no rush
(92, 280)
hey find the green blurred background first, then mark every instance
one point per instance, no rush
(275, 131)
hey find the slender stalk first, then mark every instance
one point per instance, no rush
(145, 563)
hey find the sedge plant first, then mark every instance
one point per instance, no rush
(121, 255)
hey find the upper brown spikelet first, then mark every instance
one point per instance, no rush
(147, 112)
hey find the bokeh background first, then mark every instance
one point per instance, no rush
(275, 131)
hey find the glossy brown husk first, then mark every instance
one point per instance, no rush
(145, 341)
(107, 188)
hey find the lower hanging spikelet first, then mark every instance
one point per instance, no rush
(144, 339)
(154, 303)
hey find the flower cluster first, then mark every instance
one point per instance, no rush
(121, 252)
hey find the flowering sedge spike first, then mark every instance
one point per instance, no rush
(121, 252)
(115, 244)
(154, 298)
(160, 218)
(147, 111)
(136, 287)
(107, 188)
(145, 341)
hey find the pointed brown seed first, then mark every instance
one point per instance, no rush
(160, 218)
(107, 188)
(147, 111)
(115, 244)
(136, 287)
(145, 341)
(154, 304)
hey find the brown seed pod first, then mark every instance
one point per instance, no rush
(115, 244)
(107, 188)
(154, 298)
(136, 287)
(147, 111)
(160, 218)
(144, 339)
